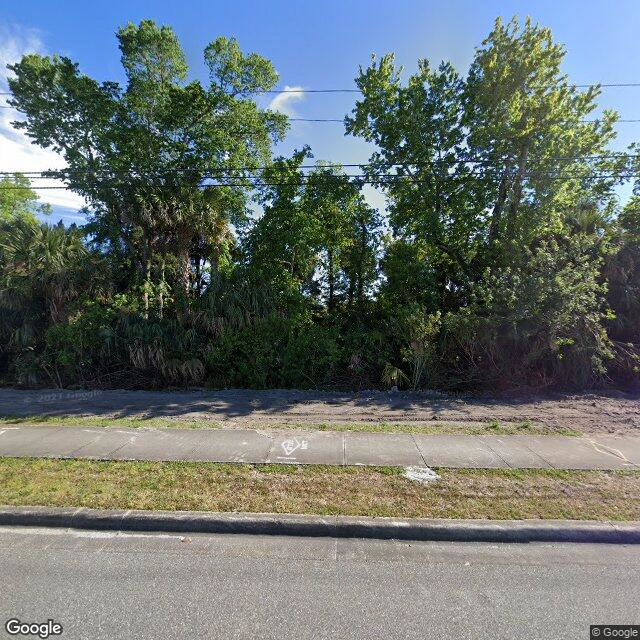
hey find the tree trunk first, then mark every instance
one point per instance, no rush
(184, 262)
(331, 276)
(517, 190)
(496, 214)
(147, 285)
(352, 286)
(161, 291)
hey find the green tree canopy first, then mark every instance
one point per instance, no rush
(505, 256)
(18, 201)
(317, 234)
(154, 158)
(495, 160)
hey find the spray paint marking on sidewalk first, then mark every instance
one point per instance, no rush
(291, 445)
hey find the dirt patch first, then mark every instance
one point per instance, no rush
(588, 413)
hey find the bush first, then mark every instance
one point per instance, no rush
(247, 357)
(273, 352)
(540, 326)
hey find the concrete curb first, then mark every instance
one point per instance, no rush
(326, 526)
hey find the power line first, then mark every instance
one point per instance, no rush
(341, 120)
(233, 172)
(317, 120)
(607, 85)
(382, 180)
(310, 91)
(604, 85)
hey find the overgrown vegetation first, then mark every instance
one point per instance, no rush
(367, 491)
(504, 257)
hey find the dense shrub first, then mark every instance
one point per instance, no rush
(273, 352)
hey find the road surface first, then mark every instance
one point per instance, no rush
(101, 585)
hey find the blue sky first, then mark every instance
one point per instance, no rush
(318, 45)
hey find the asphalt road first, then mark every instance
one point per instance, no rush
(145, 586)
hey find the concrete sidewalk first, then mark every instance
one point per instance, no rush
(319, 447)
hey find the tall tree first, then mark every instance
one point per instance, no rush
(345, 227)
(281, 244)
(162, 162)
(480, 172)
(317, 233)
(359, 259)
(18, 201)
(434, 196)
(531, 139)
(497, 159)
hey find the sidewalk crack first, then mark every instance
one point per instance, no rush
(415, 444)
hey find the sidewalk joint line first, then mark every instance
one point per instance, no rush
(535, 453)
(506, 462)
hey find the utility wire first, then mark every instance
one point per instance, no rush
(234, 172)
(606, 85)
(382, 180)
(317, 120)
(341, 120)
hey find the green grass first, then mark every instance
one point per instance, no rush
(369, 491)
(428, 428)
(96, 421)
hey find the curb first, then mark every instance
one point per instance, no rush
(326, 526)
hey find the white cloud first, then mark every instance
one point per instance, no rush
(283, 101)
(17, 153)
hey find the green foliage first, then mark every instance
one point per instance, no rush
(505, 259)
(310, 357)
(18, 201)
(273, 352)
(497, 218)
(79, 350)
(393, 376)
(539, 323)
(409, 277)
(622, 272)
(317, 235)
(142, 155)
(45, 271)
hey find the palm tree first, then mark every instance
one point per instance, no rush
(43, 269)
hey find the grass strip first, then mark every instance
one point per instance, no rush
(369, 491)
(430, 428)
